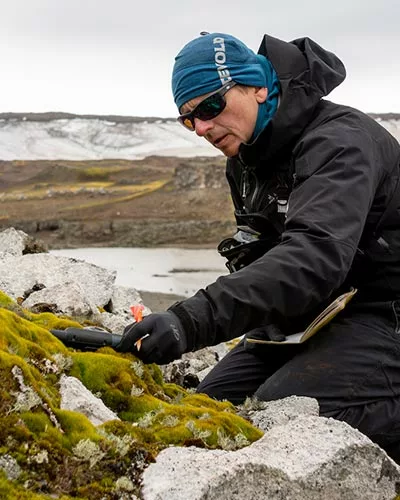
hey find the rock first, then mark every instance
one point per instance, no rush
(17, 243)
(61, 285)
(67, 298)
(208, 176)
(182, 372)
(12, 241)
(123, 298)
(75, 397)
(10, 467)
(312, 458)
(185, 371)
(27, 271)
(281, 411)
(118, 314)
(114, 323)
(191, 369)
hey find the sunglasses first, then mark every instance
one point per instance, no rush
(208, 108)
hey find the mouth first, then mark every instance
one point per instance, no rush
(218, 142)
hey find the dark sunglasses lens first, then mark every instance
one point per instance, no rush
(211, 107)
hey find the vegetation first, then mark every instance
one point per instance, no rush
(54, 452)
(117, 202)
(135, 192)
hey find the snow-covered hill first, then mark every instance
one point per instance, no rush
(93, 139)
(90, 138)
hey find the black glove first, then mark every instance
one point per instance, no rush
(262, 334)
(163, 338)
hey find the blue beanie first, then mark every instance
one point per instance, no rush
(209, 61)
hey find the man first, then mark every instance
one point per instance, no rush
(316, 190)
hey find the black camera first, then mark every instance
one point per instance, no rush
(244, 247)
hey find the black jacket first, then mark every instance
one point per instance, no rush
(341, 170)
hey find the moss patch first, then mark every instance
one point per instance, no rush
(61, 453)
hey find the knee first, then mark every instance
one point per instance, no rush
(211, 390)
(220, 392)
(208, 389)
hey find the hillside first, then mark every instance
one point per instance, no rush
(155, 201)
(53, 136)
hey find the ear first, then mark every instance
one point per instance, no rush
(261, 94)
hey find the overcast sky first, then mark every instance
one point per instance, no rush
(116, 56)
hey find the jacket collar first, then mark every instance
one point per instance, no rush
(306, 73)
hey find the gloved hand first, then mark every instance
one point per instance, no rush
(261, 335)
(164, 339)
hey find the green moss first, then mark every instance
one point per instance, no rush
(5, 300)
(173, 391)
(26, 338)
(63, 449)
(11, 491)
(76, 427)
(201, 400)
(113, 377)
(37, 423)
(207, 423)
(50, 321)
(13, 430)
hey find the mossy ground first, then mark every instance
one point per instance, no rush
(60, 453)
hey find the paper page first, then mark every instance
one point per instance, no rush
(321, 320)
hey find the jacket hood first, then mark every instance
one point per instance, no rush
(307, 73)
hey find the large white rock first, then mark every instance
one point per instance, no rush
(14, 242)
(63, 285)
(309, 458)
(76, 397)
(67, 298)
(281, 411)
(23, 273)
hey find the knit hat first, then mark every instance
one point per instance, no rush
(208, 62)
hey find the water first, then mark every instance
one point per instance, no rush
(166, 270)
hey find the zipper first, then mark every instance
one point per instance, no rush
(279, 193)
(243, 185)
(255, 193)
(244, 188)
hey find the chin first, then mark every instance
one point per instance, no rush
(231, 150)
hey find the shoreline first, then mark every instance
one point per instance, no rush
(182, 246)
(159, 301)
(162, 275)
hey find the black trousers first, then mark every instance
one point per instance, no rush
(351, 366)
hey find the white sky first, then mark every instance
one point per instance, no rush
(116, 57)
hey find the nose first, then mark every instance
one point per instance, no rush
(202, 126)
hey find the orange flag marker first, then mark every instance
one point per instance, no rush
(137, 313)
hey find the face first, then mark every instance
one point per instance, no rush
(235, 124)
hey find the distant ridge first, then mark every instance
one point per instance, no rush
(59, 115)
(68, 136)
(385, 116)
